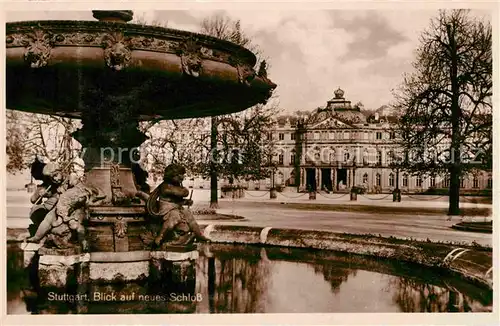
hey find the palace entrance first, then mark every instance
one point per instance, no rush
(341, 179)
(326, 179)
(311, 179)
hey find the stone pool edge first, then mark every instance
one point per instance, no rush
(471, 263)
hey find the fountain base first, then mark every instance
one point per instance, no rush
(62, 268)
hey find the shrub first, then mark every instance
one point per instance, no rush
(358, 190)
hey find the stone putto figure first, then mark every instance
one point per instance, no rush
(61, 215)
(175, 224)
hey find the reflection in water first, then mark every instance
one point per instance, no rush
(243, 279)
(414, 296)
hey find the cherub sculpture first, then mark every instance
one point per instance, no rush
(165, 207)
(62, 214)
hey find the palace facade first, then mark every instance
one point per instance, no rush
(339, 146)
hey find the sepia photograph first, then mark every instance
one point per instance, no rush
(259, 161)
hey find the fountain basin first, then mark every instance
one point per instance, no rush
(55, 67)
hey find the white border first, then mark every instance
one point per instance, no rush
(264, 319)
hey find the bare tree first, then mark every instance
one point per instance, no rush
(445, 106)
(30, 135)
(223, 27)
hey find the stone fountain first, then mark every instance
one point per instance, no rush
(112, 74)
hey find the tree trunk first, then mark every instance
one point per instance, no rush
(454, 199)
(455, 168)
(213, 165)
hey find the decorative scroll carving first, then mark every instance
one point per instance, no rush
(191, 60)
(117, 52)
(118, 197)
(151, 44)
(38, 46)
(120, 229)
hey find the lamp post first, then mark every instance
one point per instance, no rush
(354, 189)
(396, 193)
(272, 192)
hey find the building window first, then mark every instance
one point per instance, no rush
(490, 182)
(379, 158)
(462, 182)
(419, 181)
(292, 159)
(392, 135)
(378, 180)
(346, 156)
(433, 182)
(280, 159)
(389, 157)
(379, 135)
(269, 136)
(346, 135)
(332, 135)
(293, 136)
(316, 135)
(475, 182)
(365, 178)
(405, 180)
(366, 135)
(281, 136)
(391, 180)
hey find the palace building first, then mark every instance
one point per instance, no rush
(341, 146)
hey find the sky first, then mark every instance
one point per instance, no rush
(311, 53)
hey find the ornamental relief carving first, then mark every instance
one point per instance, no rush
(245, 74)
(191, 59)
(118, 47)
(117, 52)
(120, 229)
(38, 46)
(152, 44)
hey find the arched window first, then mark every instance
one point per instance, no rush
(405, 180)
(378, 180)
(391, 180)
(346, 156)
(365, 178)
(419, 181)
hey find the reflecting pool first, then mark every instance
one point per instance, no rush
(250, 279)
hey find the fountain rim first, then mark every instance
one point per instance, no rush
(132, 28)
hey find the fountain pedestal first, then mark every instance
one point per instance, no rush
(62, 268)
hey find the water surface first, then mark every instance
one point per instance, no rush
(248, 279)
